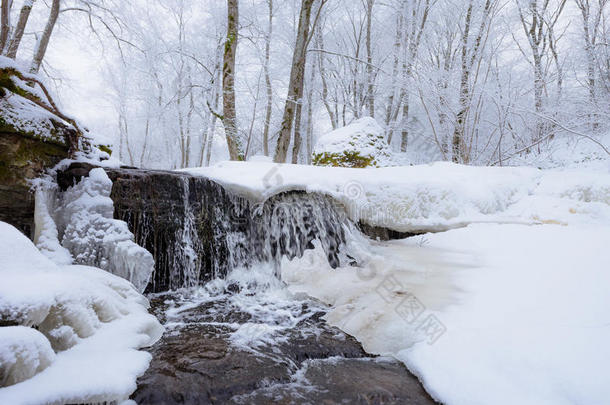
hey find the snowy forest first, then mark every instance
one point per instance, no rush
(304, 202)
(188, 83)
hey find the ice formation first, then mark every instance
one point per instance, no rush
(82, 219)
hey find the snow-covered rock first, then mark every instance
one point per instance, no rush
(93, 320)
(359, 144)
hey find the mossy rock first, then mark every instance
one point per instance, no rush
(345, 159)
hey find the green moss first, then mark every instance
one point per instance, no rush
(7, 83)
(23, 157)
(105, 148)
(344, 159)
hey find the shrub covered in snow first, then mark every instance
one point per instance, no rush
(359, 144)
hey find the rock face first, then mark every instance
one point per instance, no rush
(23, 158)
(196, 363)
(196, 230)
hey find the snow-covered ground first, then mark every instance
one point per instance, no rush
(509, 305)
(90, 325)
(487, 314)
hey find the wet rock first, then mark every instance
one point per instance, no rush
(346, 381)
(196, 365)
(377, 232)
(312, 363)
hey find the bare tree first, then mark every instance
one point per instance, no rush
(370, 76)
(5, 23)
(537, 20)
(411, 22)
(332, 112)
(592, 12)
(43, 42)
(229, 116)
(295, 84)
(472, 41)
(269, 107)
(24, 16)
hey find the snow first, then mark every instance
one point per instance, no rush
(89, 232)
(432, 197)
(488, 313)
(363, 136)
(508, 305)
(27, 117)
(24, 352)
(93, 321)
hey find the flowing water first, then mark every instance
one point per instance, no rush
(235, 333)
(246, 339)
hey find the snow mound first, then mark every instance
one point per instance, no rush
(359, 144)
(89, 231)
(86, 315)
(24, 352)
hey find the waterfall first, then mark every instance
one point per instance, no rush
(196, 230)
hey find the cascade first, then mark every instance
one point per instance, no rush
(196, 230)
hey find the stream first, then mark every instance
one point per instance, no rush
(246, 339)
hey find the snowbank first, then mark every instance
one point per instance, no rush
(487, 314)
(93, 320)
(359, 144)
(433, 197)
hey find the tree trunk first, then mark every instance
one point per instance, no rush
(43, 43)
(309, 124)
(320, 45)
(5, 23)
(298, 139)
(404, 138)
(268, 109)
(24, 16)
(370, 94)
(212, 128)
(459, 129)
(229, 118)
(295, 85)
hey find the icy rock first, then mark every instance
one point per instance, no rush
(24, 352)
